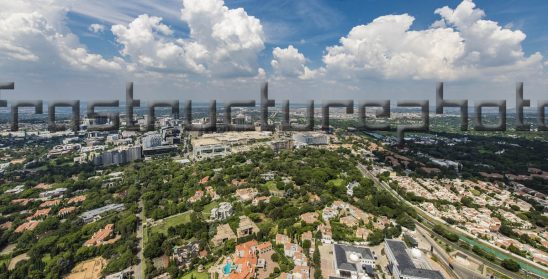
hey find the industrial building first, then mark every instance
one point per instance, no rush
(408, 263)
(353, 261)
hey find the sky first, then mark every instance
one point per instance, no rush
(306, 49)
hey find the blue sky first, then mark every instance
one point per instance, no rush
(214, 48)
(312, 25)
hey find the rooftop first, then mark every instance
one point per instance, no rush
(348, 257)
(405, 263)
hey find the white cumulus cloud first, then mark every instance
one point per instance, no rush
(149, 45)
(289, 62)
(460, 45)
(232, 38)
(96, 28)
(223, 42)
(34, 32)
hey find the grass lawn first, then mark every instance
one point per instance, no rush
(337, 182)
(171, 221)
(271, 185)
(207, 209)
(145, 235)
(197, 275)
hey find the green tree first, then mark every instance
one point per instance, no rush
(511, 265)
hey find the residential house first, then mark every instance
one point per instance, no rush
(246, 227)
(244, 260)
(30, 225)
(222, 212)
(183, 255)
(309, 217)
(246, 194)
(198, 195)
(65, 211)
(224, 233)
(101, 236)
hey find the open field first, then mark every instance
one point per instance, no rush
(90, 269)
(206, 212)
(163, 225)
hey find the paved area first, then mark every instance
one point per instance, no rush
(425, 242)
(382, 260)
(327, 259)
(270, 265)
(90, 269)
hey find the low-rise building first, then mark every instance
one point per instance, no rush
(95, 214)
(77, 199)
(362, 233)
(327, 233)
(264, 247)
(349, 221)
(198, 195)
(21, 201)
(279, 145)
(246, 227)
(309, 217)
(404, 263)
(212, 193)
(6, 225)
(268, 176)
(329, 213)
(244, 261)
(53, 193)
(258, 200)
(183, 255)
(50, 203)
(353, 261)
(246, 194)
(40, 213)
(28, 226)
(124, 274)
(100, 237)
(204, 180)
(16, 190)
(282, 239)
(350, 187)
(222, 212)
(224, 233)
(66, 210)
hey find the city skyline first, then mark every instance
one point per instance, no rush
(307, 50)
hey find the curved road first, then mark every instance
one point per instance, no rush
(384, 186)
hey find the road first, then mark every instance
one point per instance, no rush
(386, 187)
(139, 271)
(443, 258)
(457, 270)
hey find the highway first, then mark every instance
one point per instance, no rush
(457, 270)
(426, 218)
